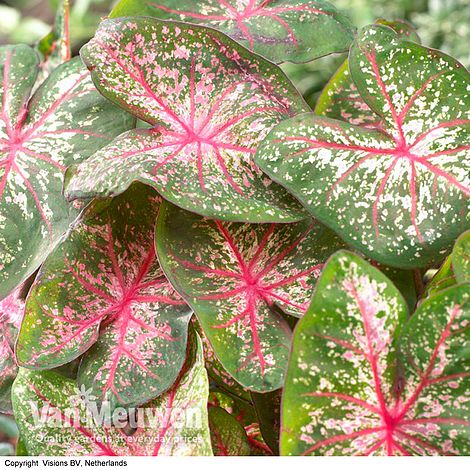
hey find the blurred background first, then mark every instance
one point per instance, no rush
(441, 24)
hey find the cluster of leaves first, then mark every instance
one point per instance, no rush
(160, 269)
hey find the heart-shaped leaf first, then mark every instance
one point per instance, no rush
(401, 195)
(340, 98)
(233, 275)
(186, 81)
(355, 386)
(280, 30)
(11, 314)
(56, 418)
(228, 436)
(102, 292)
(65, 121)
(461, 258)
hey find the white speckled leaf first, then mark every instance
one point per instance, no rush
(209, 102)
(233, 275)
(102, 293)
(401, 195)
(356, 385)
(340, 98)
(280, 30)
(65, 121)
(11, 314)
(176, 423)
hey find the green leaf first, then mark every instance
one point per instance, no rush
(21, 450)
(340, 98)
(209, 102)
(455, 268)
(65, 121)
(233, 275)
(55, 47)
(268, 410)
(102, 293)
(227, 435)
(364, 381)
(400, 195)
(461, 257)
(280, 30)
(56, 419)
(11, 314)
(443, 278)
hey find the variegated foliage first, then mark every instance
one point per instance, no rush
(399, 194)
(364, 380)
(234, 275)
(65, 121)
(11, 314)
(228, 436)
(102, 293)
(56, 418)
(280, 30)
(210, 103)
(340, 99)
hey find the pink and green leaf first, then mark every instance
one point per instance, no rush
(235, 275)
(185, 81)
(363, 381)
(11, 314)
(65, 121)
(280, 30)
(102, 293)
(400, 194)
(228, 436)
(340, 98)
(175, 423)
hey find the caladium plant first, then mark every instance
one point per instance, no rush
(55, 418)
(66, 120)
(398, 193)
(119, 309)
(236, 276)
(365, 380)
(185, 81)
(178, 218)
(280, 30)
